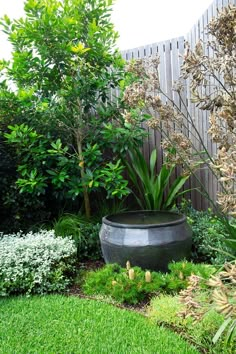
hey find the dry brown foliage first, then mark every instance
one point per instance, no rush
(211, 71)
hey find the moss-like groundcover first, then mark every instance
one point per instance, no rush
(59, 324)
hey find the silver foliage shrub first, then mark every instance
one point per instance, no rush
(35, 263)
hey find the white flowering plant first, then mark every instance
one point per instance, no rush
(35, 263)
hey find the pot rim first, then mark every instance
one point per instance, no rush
(182, 219)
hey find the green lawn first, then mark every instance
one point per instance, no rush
(59, 324)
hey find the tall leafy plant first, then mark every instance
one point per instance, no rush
(152, 190)
(63, 65)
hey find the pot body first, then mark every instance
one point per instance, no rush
(148, 239)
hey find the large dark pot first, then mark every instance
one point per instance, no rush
(148, 239)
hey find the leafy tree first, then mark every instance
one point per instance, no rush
(64, 64)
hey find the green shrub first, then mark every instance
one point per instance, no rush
(35, 263)
(176, 279)
(165, 310)
(85, 234)
(113, 280)
(209, 234)
(183, 270)
(90, 248)
(17, 210)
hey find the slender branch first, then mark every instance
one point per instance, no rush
(218, 80)
(190, 169)
(191, 121)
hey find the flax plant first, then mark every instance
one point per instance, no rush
(152, 192)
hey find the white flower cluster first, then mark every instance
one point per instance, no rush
(35, 262)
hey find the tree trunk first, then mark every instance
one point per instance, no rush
(82, 173)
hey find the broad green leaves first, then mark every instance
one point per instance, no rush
(43, 164)
(151, 188)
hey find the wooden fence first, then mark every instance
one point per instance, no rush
(170, 52)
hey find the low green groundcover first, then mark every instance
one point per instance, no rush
(60, 324)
